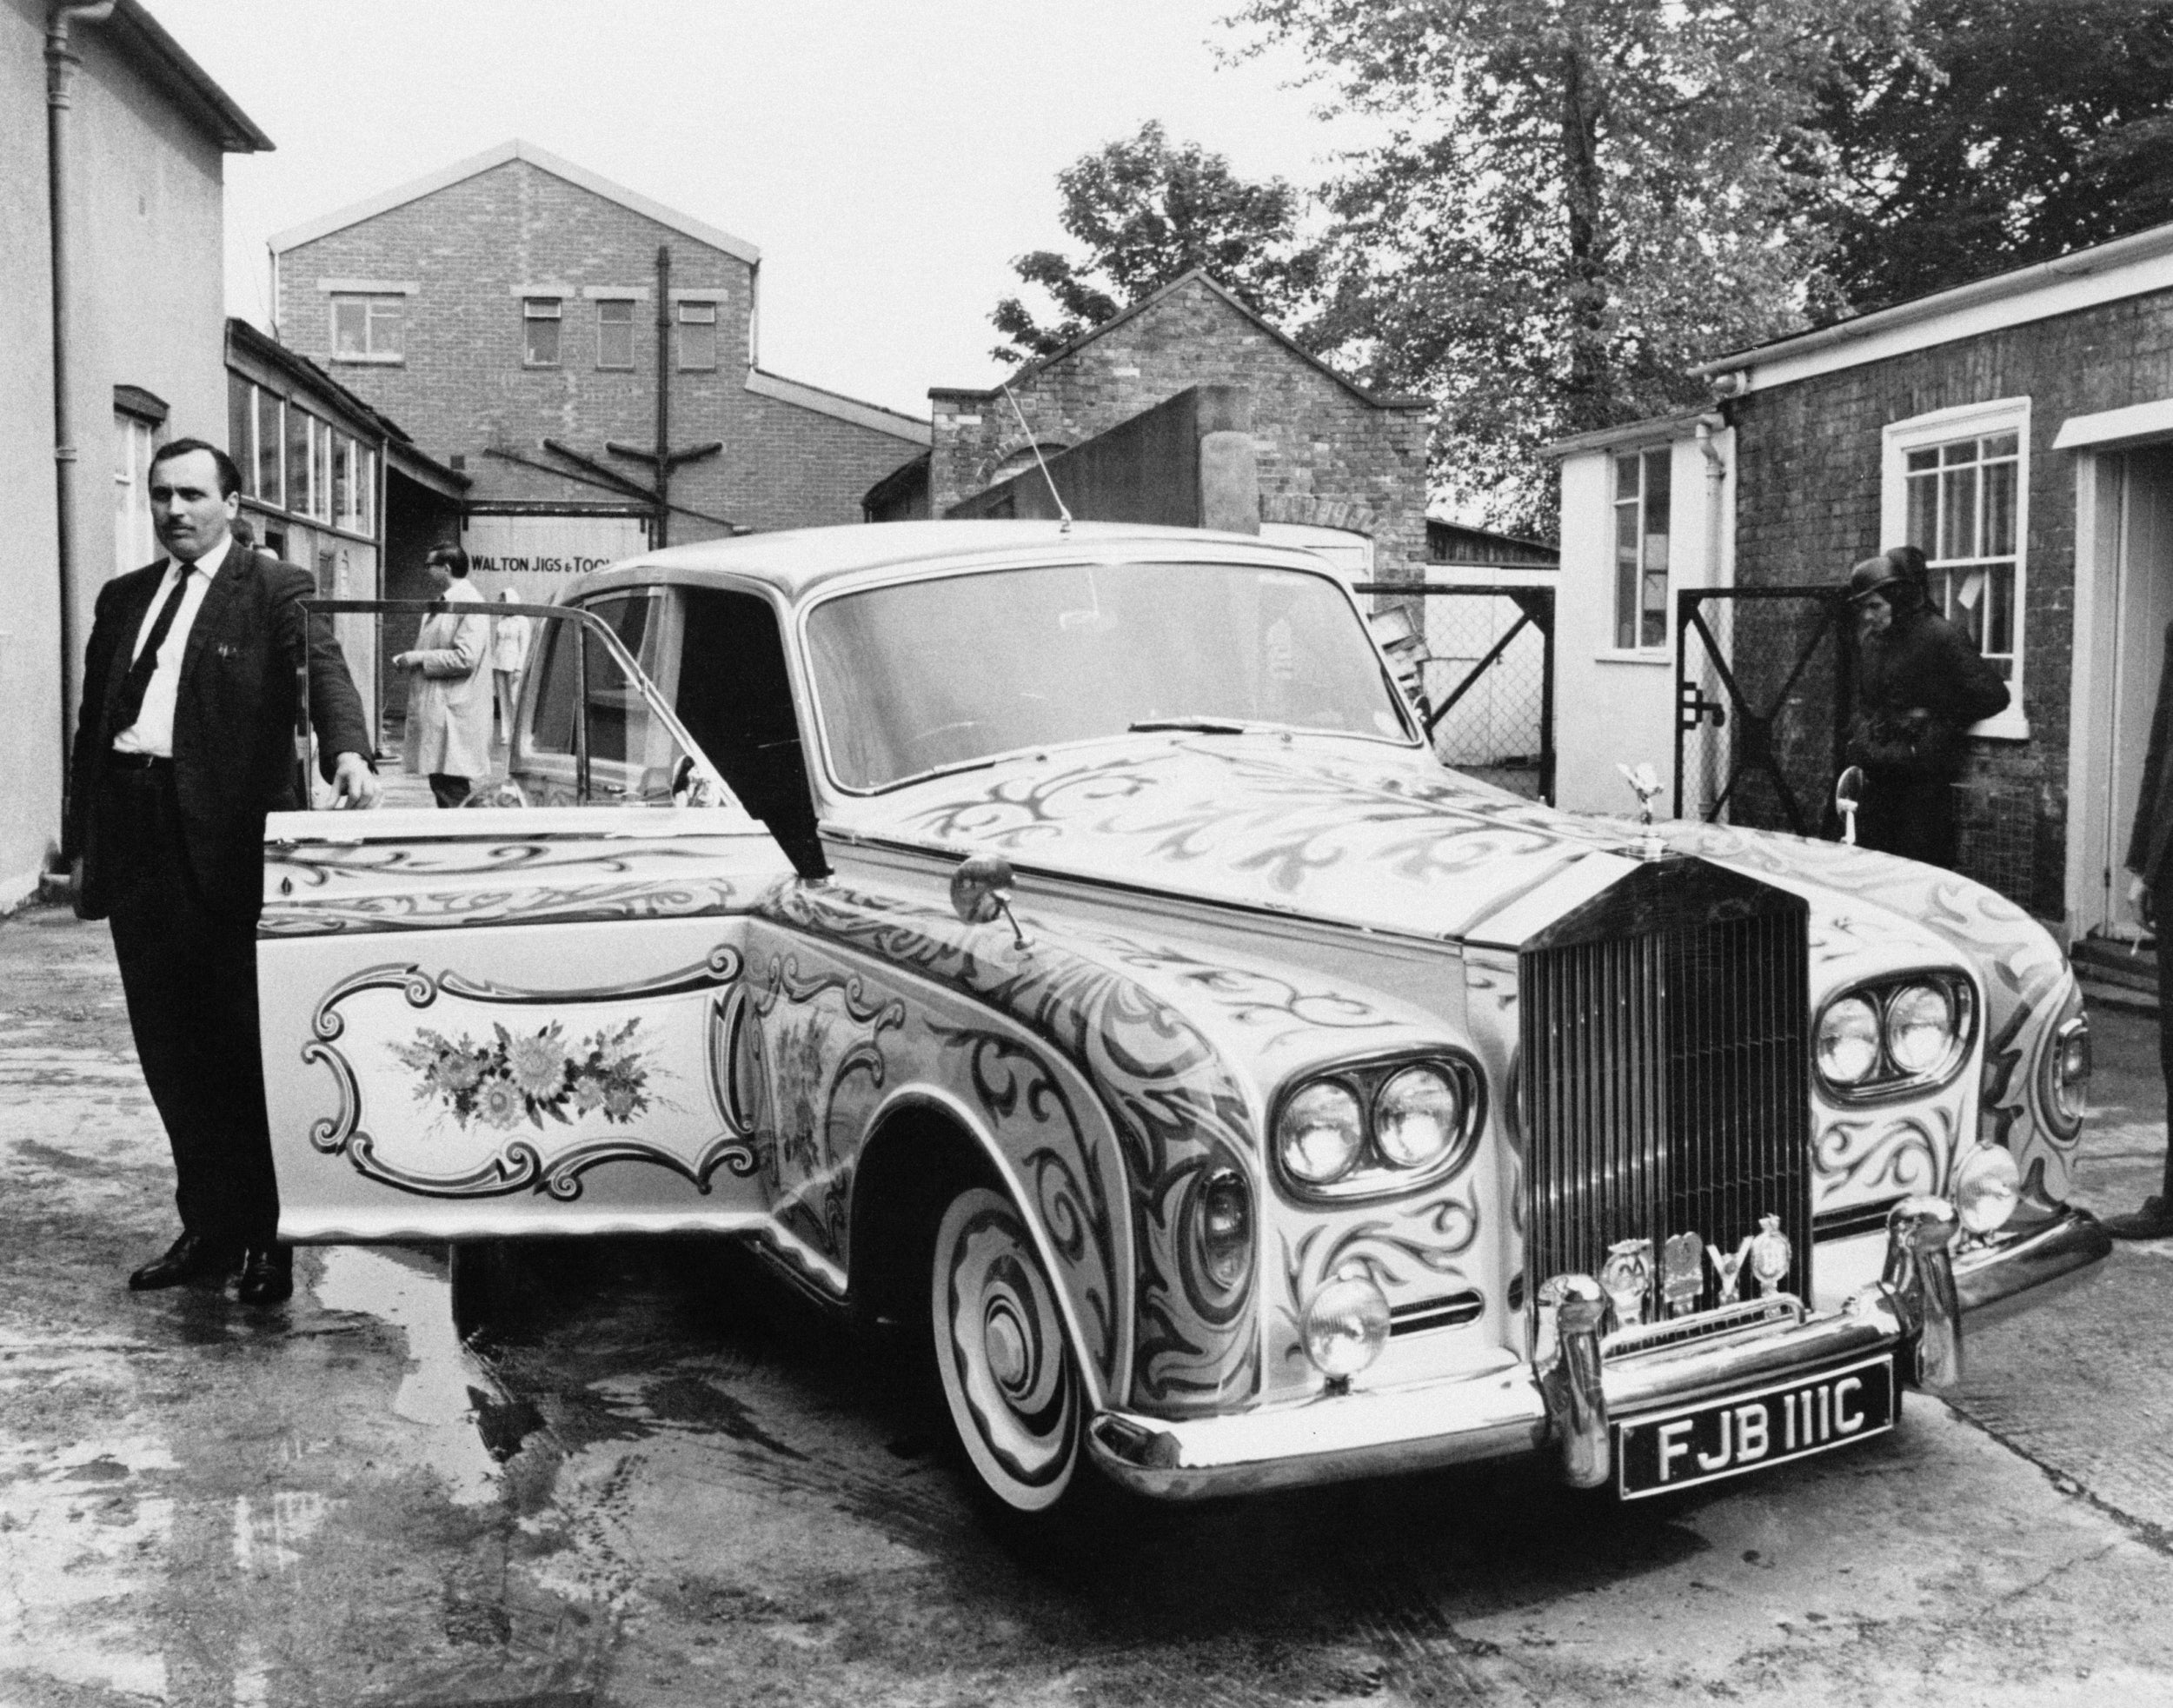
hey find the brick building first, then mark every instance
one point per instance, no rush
(113, 322)
(510, 310)
(1339, 468)
(2020, 430)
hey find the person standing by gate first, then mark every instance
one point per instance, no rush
(1919, 686)
(448, 696)
(2150, 888)
(508, 657)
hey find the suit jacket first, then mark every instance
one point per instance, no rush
(2153, 830)
(236, 717)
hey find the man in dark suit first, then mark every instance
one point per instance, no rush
(2150, 888)
(186, 740)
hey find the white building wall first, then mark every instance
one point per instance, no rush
(1613, 708)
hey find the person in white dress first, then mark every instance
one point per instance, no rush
(448, 687)
(508, 657)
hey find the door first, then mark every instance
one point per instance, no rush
(2142, 604)
(517, 1019)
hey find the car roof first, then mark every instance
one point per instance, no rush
(798, 560)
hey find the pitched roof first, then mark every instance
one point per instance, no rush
(1198, 276)
(2123, 266)
(140, 39)
(837, 405)
(309, 230)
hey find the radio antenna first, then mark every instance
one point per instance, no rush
(1064, 525)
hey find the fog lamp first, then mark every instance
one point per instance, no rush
(1345, 1326)
(1848, 1041)
(1320, 1133)
(1919, 1027)
(1416, 1118)
(1986, 1186)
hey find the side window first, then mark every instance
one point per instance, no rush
(735, 698)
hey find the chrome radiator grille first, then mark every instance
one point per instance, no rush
(1667, 1082)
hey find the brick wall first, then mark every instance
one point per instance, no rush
(1327, 453)
(462, 386)
(1808, 506)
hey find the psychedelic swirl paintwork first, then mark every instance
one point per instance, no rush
(1208, 919)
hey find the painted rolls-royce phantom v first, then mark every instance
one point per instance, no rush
(1062, 944)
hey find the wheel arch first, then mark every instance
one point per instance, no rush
(924, 1146)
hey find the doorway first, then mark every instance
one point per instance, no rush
(2131, 537)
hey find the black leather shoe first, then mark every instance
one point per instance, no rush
(2153, 1221)
(267, 1275)
(194, 1257)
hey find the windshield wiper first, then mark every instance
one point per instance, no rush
(1193, 726)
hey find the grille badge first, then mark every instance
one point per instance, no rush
(1729, 1267)
(1626, 1278)
(1770, 1255)
(1682, 1273)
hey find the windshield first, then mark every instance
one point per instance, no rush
(932, 673)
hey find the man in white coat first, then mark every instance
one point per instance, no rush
(448, 691)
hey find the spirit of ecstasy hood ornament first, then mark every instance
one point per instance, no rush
(1646, 782)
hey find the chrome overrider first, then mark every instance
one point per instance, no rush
(1581, 1379)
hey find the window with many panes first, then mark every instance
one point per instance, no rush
(615, 332)
(698, 336)
(540, 319)
(367, 329)
(1957, 486)
(1643, 505)
(134, 544)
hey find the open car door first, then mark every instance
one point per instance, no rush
(513, 1017)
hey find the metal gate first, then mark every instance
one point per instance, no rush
(1478, 662)
(1763, 677)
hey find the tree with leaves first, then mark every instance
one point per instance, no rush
(1575, 201)
(1148, 212)
(2001, 133)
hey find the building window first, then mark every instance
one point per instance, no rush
(365, 490)
(698, 337)
(614, 333)
(240, 428)
(343, 481)
(272, 438)
(134, 545)
(1957, 486)
(367, 329)
(540, 324)
(1642, 528)
(321, 470)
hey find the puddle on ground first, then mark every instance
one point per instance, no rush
(75, 1530)
(446, 1384)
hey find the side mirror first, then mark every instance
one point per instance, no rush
(980, 892)
(1848, 795)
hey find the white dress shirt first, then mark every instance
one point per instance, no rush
(153, 730)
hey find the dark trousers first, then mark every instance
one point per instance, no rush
(189, 975)
(449, 790)
(1908, 814)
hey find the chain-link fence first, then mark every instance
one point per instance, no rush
(1478, 660)
(1763, 679)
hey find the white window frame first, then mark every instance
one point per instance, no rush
(377, 307)
(610, 305)
(552, 309)
(1939, 427)
(136, 441)
(689, 313)
(1664, 651)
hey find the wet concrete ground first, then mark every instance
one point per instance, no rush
(638, 1474)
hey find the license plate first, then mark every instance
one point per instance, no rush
(1749, 1432)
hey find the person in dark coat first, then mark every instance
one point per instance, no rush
(2151, 873)
(185, 741)
(1919, 686)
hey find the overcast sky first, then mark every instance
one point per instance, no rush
(888, 158)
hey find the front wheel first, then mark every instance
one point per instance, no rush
(1000, 1352)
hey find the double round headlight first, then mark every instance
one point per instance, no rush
(1377, 1128)
(1900, 1032)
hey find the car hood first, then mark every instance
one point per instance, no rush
(1364, 835)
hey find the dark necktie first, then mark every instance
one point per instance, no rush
(137, 682)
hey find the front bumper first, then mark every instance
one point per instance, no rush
(1577, 1387)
